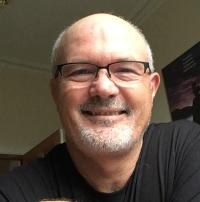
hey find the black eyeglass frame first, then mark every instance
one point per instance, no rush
(59, 67)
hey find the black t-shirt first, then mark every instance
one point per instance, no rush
(168, 170)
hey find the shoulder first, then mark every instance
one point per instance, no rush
(176, 136)
(182, 128)
(22, 180)
(31, 181)
(179, 158)
(179, 124)
(171, 156)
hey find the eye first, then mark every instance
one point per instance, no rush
(78, 72)
(82, 71)
(74, 70)
(125, 70)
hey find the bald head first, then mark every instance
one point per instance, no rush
(105, 28)
(102, 21)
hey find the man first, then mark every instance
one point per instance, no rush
(103, 86)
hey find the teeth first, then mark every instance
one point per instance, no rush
(105, 113)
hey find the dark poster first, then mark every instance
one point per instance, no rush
(182, 83)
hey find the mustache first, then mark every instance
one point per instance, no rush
(111, 102)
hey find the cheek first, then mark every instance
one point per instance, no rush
(70, 98)
(138, 96)
(68, 106)
(140, 100)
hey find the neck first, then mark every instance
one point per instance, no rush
(106, 172)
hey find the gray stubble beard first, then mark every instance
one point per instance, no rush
(118, 138)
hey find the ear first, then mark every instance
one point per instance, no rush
(54, 89)
(155, 82)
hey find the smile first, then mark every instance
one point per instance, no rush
(104, 113)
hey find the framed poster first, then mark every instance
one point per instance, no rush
(182, 84)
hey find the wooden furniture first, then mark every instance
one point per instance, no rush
(44, 147)
(9, 161)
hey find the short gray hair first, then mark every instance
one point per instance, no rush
(59, 40)
(55, 48)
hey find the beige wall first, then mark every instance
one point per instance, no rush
(28, 114)
(171, 30)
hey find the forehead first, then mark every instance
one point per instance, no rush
(104, 38)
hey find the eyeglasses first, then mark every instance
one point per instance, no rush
(118, 71)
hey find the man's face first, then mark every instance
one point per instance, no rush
(104, 116)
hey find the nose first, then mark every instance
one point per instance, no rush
(103, 86)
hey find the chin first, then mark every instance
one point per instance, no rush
(119, 139)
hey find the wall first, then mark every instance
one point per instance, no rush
(28, 114)
(171, 30)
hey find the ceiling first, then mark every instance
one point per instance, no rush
(28, 28)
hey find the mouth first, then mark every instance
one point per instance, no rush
(103, 112)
